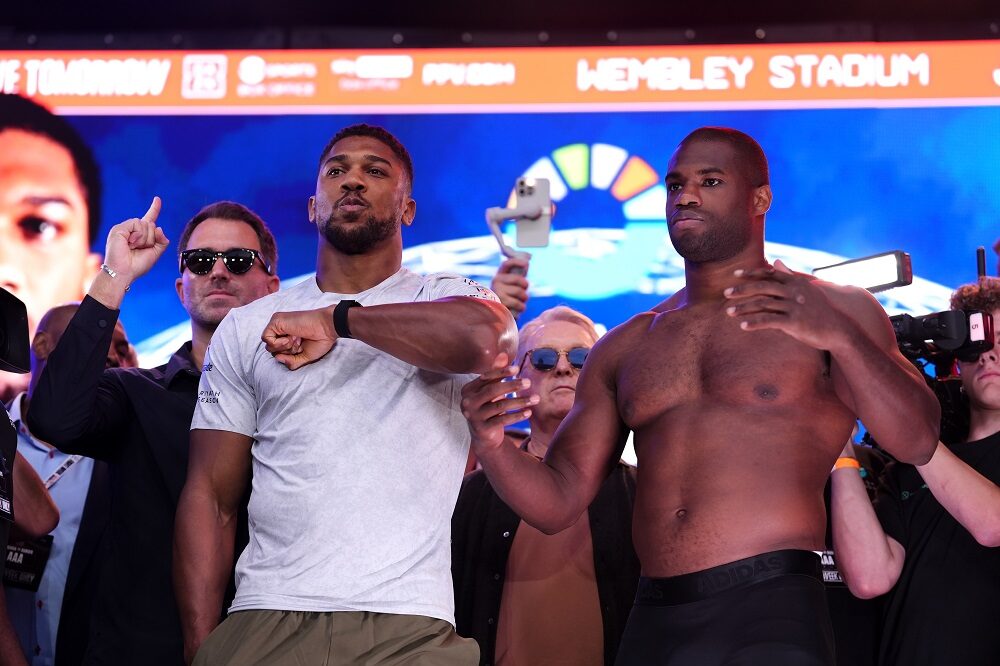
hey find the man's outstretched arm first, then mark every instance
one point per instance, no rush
(550, 494)
(457, 334)
(205, 529)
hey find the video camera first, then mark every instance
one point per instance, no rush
(961, 334)
(932, 341)
(15, 354)
(938, 340)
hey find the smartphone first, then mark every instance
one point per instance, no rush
(532, 192)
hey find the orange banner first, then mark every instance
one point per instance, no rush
(509, 80)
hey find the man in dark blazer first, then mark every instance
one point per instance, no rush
(52, 612)
(137, 420)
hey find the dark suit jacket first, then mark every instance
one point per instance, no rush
(89, 553)
(136, 420)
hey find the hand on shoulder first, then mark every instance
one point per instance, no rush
(812, 311)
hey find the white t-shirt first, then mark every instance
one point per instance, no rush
(357, 460)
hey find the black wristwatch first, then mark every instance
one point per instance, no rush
(340, 318)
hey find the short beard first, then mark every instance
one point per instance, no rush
(359, 238)
(712, 245)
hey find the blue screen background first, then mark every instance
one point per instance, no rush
(850, 182)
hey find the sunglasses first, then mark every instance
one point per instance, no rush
(238, 260)
(546, 358)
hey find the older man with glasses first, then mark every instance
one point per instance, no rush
(137, 420)
(525, 596)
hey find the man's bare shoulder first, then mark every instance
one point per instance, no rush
(629, 330)
(619, 341)
(672, 303)
(855, 302)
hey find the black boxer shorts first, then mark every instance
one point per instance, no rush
(766, 610)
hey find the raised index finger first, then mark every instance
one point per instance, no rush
(153, 212)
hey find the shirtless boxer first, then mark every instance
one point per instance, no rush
(741, 390)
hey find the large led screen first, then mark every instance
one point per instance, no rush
(872, 147)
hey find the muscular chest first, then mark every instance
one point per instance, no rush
(702, 355)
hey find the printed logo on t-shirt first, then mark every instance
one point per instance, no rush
(208, 396)
(907, 494)
(481, 291)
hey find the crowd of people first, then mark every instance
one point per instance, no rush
(339, 472)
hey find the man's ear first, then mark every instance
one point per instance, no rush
(42, 345)
(179, 286)
(762, 199)
(409, 212)
(312, 209)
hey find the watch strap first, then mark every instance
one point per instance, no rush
(340, 318)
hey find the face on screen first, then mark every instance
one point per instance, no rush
(44, 255)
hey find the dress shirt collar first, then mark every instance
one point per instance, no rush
(181, 361)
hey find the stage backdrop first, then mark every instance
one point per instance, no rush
(872, 147)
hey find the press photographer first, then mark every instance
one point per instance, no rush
(929, 540)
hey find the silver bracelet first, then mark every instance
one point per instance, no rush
(113, 273)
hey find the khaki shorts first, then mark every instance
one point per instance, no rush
(296, 638)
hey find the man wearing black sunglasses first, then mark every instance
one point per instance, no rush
(527, 597)
(137, 420)
(741, 390)
(348, 416)
(932, 540)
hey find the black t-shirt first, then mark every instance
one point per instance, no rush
(856, 621)
(945, 609)
(8, 448)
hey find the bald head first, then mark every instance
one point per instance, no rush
(749, 154)
(53, 325)
(55, 321)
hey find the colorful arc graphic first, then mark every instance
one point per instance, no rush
(592, 270)
(628, 178)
